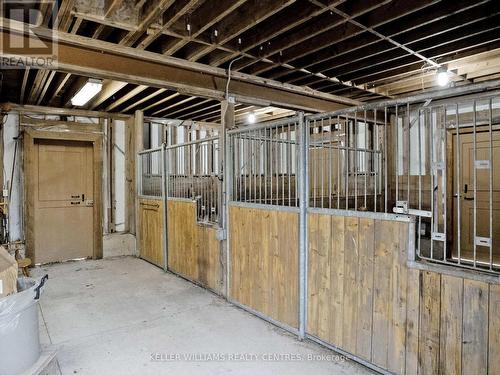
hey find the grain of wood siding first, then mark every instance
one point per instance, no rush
(494, 330)
(430, 306)
(193, 249)
(351, 283)
(397, 322)
(366, 249)
(412, 321)
(264, 262)
(151, 230)
(385, 281)
(475, 328)
(450, 358)
(415, 319)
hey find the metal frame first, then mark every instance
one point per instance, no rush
(193, 173)
(146, 156)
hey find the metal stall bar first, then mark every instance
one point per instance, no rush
(303, 128)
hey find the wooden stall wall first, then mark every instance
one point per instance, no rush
(264, 261)
(363, 298)
(151, 231)
(193, 249)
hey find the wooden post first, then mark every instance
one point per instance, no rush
(138, 146)
(227, 120)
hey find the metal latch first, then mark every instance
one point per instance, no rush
(89, 203)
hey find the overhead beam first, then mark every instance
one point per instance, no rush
(35, 109)
(84, 56)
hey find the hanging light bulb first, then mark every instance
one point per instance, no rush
(251, 118)
(442, 77)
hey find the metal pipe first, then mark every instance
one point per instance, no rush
(164, 195)
(303, 241)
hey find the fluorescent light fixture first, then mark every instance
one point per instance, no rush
(251, 118)
(87, 92)
(442, 77)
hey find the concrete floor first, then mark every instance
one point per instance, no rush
(113, 316)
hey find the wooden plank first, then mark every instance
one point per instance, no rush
(312, 276)
(193, 248)
(151, 230)
(397, 323)
(287, 240)
(412, 321)
(364, 322)
(351, 283)
(430, 305)
(475, 328)
(382, 301)
(450, 357)
(337, 273)
(264, 249)
(323, 279)
(494, 330)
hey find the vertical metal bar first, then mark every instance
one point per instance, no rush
(321, 164)
(338, 161)
(396, 144)
(314, 166)
(385, 160)
(490, 115)
(356, 161)
(459, 187)
(375, 160)
(282, 160)
(366, 160)
(254, 165)
(419, 122)
(289, 163)
(265, 163)
(304, 187)
(346, 155)
(330, 156)
(408, 164)
(475, 182)
(444, 184)
(164, 194)
(431, 151)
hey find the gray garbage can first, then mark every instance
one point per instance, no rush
(19, 332)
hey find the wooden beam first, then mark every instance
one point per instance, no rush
(34, 109)
(250, 14)
(145, 99)
(171, 15)
(203, 18)
(104, 60)
(109, 88)
(111, 6)
(126, 97)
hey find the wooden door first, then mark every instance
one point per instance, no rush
(63, 202)
(482, 196)
(151, 231)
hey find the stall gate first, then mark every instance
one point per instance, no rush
(370, 230)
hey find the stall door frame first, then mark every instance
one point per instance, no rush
(29, 138)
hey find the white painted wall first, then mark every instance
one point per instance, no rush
(11, 130)
(119, 176)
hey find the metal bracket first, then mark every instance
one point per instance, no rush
(438, 166)
(482, 164)
(221, 234)
(483, 241)
(401, 207)
(436, 236)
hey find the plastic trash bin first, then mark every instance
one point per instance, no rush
(19, 332)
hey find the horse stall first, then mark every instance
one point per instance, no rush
(370, 230)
